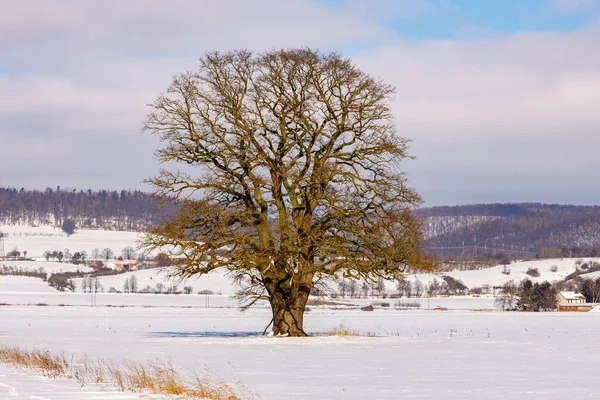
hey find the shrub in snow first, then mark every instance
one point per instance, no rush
(381, 304)
(68, 226)
(533, 272)
(553, 268)
(454, 286)
(407, 304)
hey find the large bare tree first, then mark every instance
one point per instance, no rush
(298, 175)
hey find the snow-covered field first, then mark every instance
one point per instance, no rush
(410, 355)
(36, 240)
(424, 354)
(15, 384)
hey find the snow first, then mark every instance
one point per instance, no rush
(494, 276)
(590, 275)
(22, 285)
(416, 354)
(572, 296)
(410, 355)
(16, 384)
(36, 240)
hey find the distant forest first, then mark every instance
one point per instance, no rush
(103, 209)
(470, 232)
(511, 231)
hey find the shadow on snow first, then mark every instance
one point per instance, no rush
(203, 334)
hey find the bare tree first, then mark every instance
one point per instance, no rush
(85, 284)
(133, 284)
(126, 286)
(299, 176)
(342, 287)
(590, 288)
(434, 287)
(507, 298)
(381, 291)
(400, 287)
(128, 253)
(365, 289)
(107, 253)
(352, 288)
(67, 255)
(95, 254)
(418, 288)
(95, 285)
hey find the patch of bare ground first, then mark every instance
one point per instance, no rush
(153, 376)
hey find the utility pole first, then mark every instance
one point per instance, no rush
(2, 237)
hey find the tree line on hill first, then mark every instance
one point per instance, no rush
(102, 209)
(482, 232)
(511, 231)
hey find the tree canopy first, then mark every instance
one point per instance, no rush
(296, 175)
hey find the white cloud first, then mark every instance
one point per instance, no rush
(519, 110)
(500, 117)
(389, 10)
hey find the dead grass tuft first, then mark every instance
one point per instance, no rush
(341, 330)
(48, 364)
(155, 376)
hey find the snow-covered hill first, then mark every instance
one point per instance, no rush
(23, 285)
(36, 240)
(494, 276)
(217, 282)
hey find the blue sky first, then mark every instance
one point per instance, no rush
(436, 19)
(499, 97)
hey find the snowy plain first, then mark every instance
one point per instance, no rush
(424, 354)
(401, 354)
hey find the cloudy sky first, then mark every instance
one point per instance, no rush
(500, 98)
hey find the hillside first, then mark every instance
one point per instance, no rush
(111, 210)
(497, 231)
(512, 230)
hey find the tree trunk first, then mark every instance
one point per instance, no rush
(288, 314)
(288, 298)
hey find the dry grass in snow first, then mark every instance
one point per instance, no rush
(157, 377)
(341, 330)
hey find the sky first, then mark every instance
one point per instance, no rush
(501, 99)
